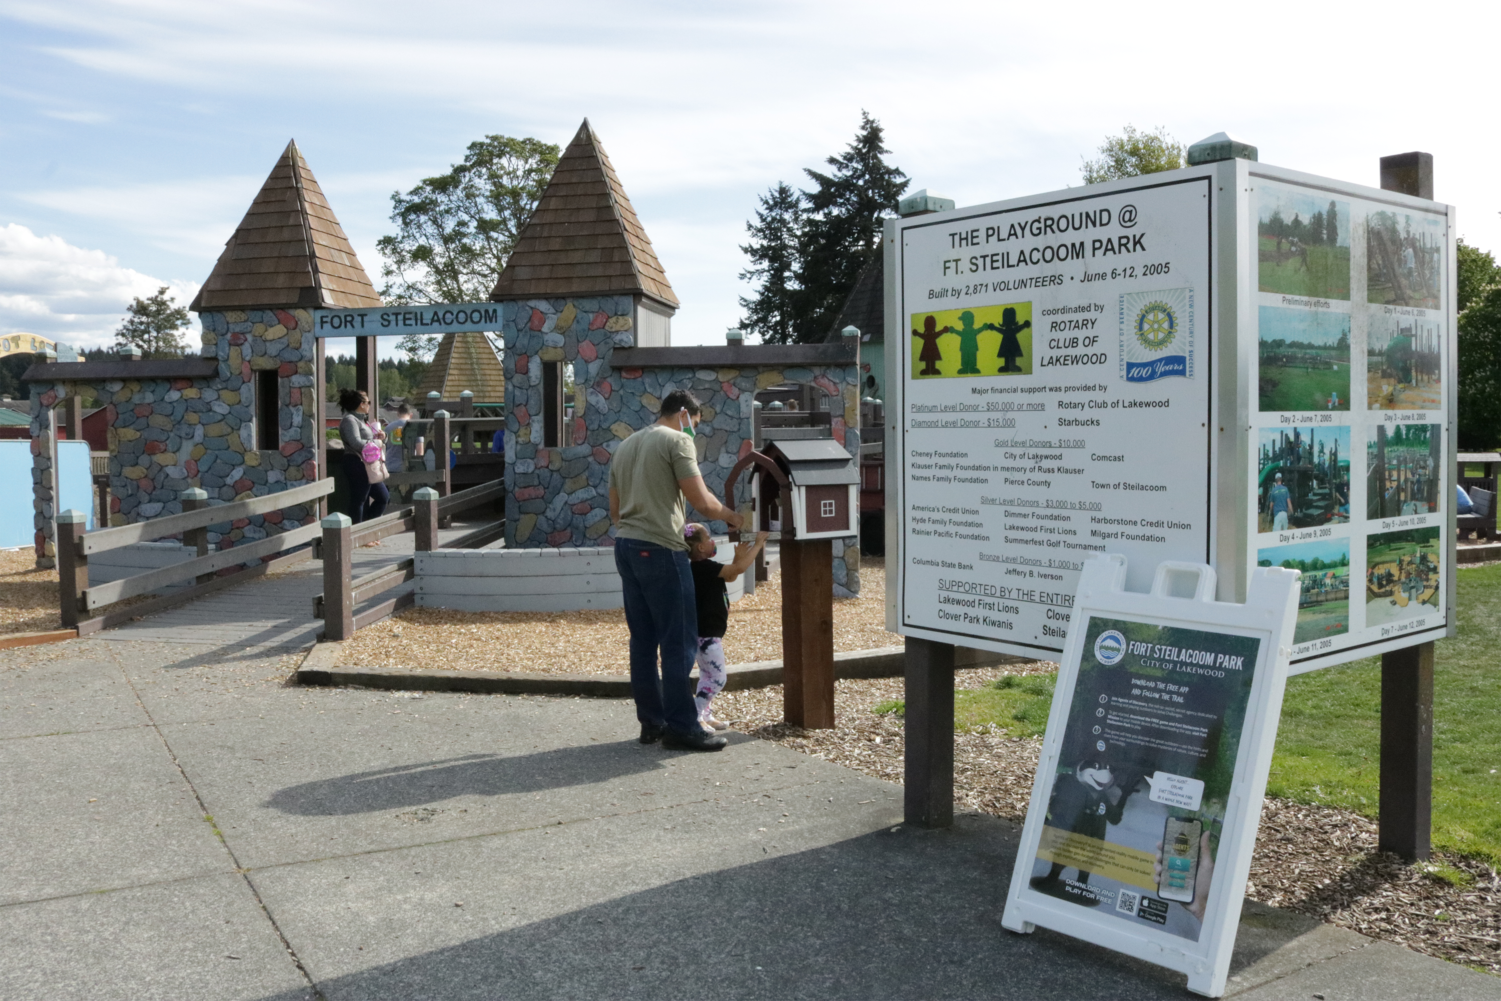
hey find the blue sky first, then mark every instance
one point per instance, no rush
(1328, 550)
(1311, 326)
(134, 134)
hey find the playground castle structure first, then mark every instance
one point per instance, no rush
(582, 289)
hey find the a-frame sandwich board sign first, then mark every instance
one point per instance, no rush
(1148, 792)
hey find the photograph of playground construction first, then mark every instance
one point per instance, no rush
(1313, 467)
(1302, 243)
(1404, 360)
(1403, 577)
(1304, 359)
(1404, 259)
(1324, 594)
(1402, 470)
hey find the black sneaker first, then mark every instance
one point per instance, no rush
(700, 741)
(652, 732)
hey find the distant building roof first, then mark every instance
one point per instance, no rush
(289, 250)
(865, 307)
(13, 418)
(465, 361)
(584, 237)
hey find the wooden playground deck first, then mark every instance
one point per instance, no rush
(275, 611)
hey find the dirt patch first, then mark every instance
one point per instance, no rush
(597, 642)
(28, 596)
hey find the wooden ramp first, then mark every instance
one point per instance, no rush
(275, 611)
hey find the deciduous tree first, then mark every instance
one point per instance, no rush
(456, 230)
(1132, 153)
(1479, 283)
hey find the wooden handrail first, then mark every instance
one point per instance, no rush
(105, 539)
(471, 497)
(130, 587)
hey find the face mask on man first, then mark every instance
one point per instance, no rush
(685, 422)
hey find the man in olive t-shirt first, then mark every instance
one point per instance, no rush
(650, 475)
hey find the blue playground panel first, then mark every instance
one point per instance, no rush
(75, 482)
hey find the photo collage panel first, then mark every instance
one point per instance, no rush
(1348, 444)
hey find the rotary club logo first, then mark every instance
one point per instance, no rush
(1156, 326)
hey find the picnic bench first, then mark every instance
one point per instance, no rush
(1482, 519)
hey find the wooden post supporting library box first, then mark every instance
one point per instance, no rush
(806, 490)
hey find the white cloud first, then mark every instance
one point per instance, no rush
(77, 296)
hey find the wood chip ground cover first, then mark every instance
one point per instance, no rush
(1316, 860)
(597, 642)
(28, 596)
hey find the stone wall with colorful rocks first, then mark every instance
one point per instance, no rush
(559, 497)
(166, 435)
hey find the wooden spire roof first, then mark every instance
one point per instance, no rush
(584, 237)
(289, 250)
(465, 361)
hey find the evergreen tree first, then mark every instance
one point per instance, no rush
(842, 226)
(1316, 229)
(1331, 225)
(155, 325)
(774, 254)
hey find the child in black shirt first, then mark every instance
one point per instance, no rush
(709, 577)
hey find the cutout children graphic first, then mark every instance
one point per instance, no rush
(1011, 346)
(931, 354)
(969, 342)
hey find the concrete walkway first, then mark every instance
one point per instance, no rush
(178, 823)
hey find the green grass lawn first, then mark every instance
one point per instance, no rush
(1328, 746)
(1304, 388)
(1327, 274)
(1328, 743)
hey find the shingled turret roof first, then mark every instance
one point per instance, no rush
(289, 250)
(465, 361)
(584, 237)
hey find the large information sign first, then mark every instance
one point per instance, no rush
(1055, 366)
(1233, 363)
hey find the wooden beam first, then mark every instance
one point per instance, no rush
(384, 610)
(100, 371)
(1405, 813)
(106, 539)
(472, 497)
(480, 537)
(392, 523)
(928, 747)
(145, 583)
(373, 584)
(808, 633)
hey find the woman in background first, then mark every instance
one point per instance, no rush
(366, 500)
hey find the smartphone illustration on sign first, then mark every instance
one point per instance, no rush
(1180, 859)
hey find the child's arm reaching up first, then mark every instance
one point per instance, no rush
(745, 555)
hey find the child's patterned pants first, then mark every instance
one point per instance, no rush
(711, 673)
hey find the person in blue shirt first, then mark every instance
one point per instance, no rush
(1279, 504)
(1462, 501)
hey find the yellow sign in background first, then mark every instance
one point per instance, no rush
(965, 343)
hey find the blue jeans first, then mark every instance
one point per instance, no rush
(661, 613)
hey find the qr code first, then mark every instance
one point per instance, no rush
(1126, 901)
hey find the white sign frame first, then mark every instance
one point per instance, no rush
(1182, 595)
(1229, 340)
